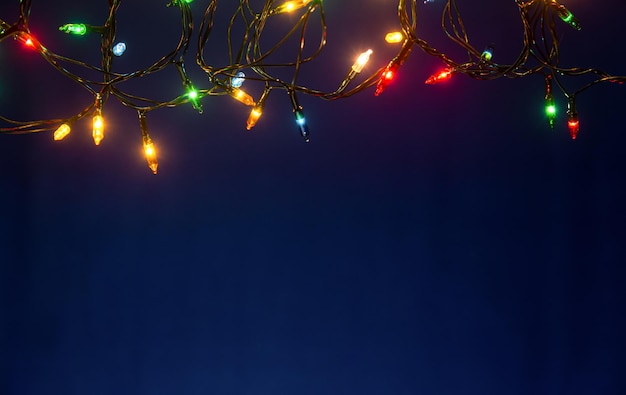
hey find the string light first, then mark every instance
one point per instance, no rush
(386, 77)
(238, 79)
(290, 6)
(565, 15)
(299, 116)
(302, 125)
(487, 54)
(98, 127)
(180, 2)
(148, 146)
(119, 49)
(572, 118)
(361, 61)
(443, 75)
(79, 29)
(242, 97)
(550, 104)
(540, 44)
(61, 132)
(394, 37)
(98, 122)
(389, 73)
(194, 96)
(254, 116)
(26, 39)
(257, 111)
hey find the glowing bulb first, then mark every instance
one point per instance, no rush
(573, 126)
(549, 100)
(78, 29)
(394, 37)
(255, 114)
(242, 96)
(443, 75)
(572, 118)
(565, 15)
(238, 79)
(194, 96)
(386, 77)
(257, 110)
(61, 132)
(569, 18)
(487, 54)
(179, 2)
(119, 49)
(26, 39)
(148, 147)
(98, 128)
(550, 110)
(301, 122)
(150, 152)
(290, 6)
(361, 61)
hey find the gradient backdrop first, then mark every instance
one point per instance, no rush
(433, 240)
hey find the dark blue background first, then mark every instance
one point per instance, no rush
(433, 240)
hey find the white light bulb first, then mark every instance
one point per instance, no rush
(119, 49)
(238, 79)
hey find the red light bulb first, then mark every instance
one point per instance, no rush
(572, 117)
(573, 126)
(443, 75)
(386, 77)
(26, 39)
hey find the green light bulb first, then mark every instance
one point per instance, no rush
(179, 2)
(78, 29)
(567, 17)
(487, 54)
(194, 97)
(565, 14)
(550, 110)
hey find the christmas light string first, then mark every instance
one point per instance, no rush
(249, 61)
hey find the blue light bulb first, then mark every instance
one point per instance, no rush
(119, 49)
(238, 79)
(301, 122)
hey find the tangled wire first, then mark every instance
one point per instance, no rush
(249, 61)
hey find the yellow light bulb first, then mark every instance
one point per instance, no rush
(361, 61)
(394, 37)
(290, 6)
(150, 152)
(61, 132)
(98, 128)
(148, 147)
(255, 114)
(242, 96)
